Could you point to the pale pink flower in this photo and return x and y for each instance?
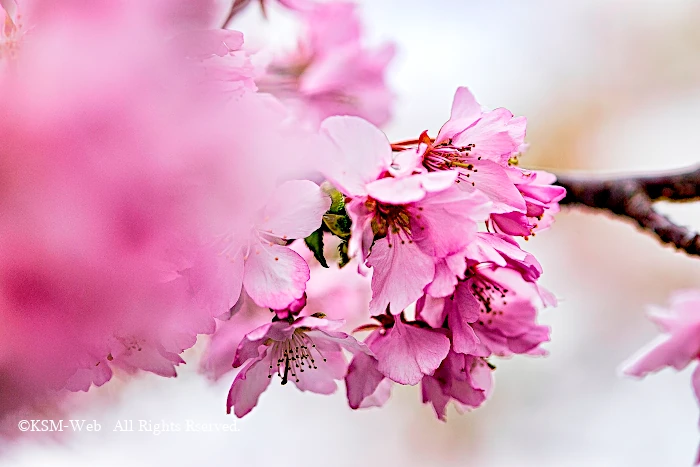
(680, 344)
(306, 351)
(222, 345)
(274, 275)
(464, 379)
(337, 293)
(331, 72)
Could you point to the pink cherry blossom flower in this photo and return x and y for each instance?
(222, 344)
(478, 145)
(331, 72)
(464, 379)
(338, 293)
(542, 201)
(492, 311)
(680, 344)
(306, 351)
(422, 217)
(273, 275)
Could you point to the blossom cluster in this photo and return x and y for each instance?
(167, 182)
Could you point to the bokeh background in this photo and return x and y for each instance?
(607, 86)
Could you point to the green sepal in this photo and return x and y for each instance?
(338, 224)
(315, 244)
(343, 252)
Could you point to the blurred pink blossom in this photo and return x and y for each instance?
(331, 72)
(117, 178)
(678, 346)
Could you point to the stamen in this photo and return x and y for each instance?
(489, 293)
(292, 356)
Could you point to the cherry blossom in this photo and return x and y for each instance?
(306, 351)
(680, 344)
(331, 72)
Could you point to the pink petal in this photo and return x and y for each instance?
(294, 210)
(512, 223)
(321, 380)
(431, 310)
(696, 382)
(490, 135)
(408, 161)
(342, 339)
(379, 397)
(676, 350)
(412, 188)
(407, 353)
(432, 392)
(249, 383)
(249, 346)
(400, 272)
(491, 179)
(84, 378)
(275, 276)
(361, 237)
(362, 381)
(462, 310)
(10, 7)
(480, 375)
(465, 111)
(445, 279)
(444, 223)
(361, 152)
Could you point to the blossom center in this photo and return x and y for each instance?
(390, 219)
(491, 297)
(293, 356)
(446, 156)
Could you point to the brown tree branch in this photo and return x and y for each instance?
(633, 198)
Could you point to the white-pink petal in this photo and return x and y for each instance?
(412, 188)
(294, 210)
(359, 153)
(275, 275)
